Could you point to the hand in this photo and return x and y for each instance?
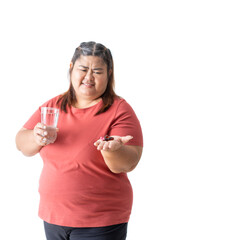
(44, 135)
(112, 145)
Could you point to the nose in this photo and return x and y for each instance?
(89, 75)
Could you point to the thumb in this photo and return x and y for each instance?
(126, 139)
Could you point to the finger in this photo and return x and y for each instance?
(100, 146)
(41, 125)
(39, 128)
(41, 141)
(126, 139)
(46, 141)
(106, 145)
(110, 144)
(40, 136)
(41, 132)
(97, 143)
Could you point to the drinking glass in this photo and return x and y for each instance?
(49, 117)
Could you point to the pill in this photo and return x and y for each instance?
(107, 138)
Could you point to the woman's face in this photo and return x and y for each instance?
(89, 77)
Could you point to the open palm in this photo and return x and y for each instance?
(112, 145)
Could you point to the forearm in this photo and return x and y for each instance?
(26, 144)
(124, 159)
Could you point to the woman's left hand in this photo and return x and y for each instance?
(112, 145)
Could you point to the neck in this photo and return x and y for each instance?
(85, 103)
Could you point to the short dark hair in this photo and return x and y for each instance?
(91, 49)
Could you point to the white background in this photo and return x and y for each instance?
(177, 64)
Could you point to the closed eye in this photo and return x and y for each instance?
(84, 70)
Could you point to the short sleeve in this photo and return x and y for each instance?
(33, 120)
(126, 123)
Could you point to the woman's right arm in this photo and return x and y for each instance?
(29, 142)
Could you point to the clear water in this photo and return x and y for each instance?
(49, 119)
(52, 134)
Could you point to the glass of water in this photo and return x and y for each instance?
(49, 116)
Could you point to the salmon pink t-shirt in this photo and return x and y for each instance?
(76, 187)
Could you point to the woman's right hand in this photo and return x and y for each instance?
(44, 135)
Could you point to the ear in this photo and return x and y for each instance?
(109, 72)
(71, 65)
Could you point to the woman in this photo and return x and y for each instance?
(84, 189)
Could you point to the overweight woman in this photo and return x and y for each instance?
(84, 189)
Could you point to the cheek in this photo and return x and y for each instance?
(103, 83)
(76, 79)
(76, 76)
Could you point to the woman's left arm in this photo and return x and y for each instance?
(119, 157)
